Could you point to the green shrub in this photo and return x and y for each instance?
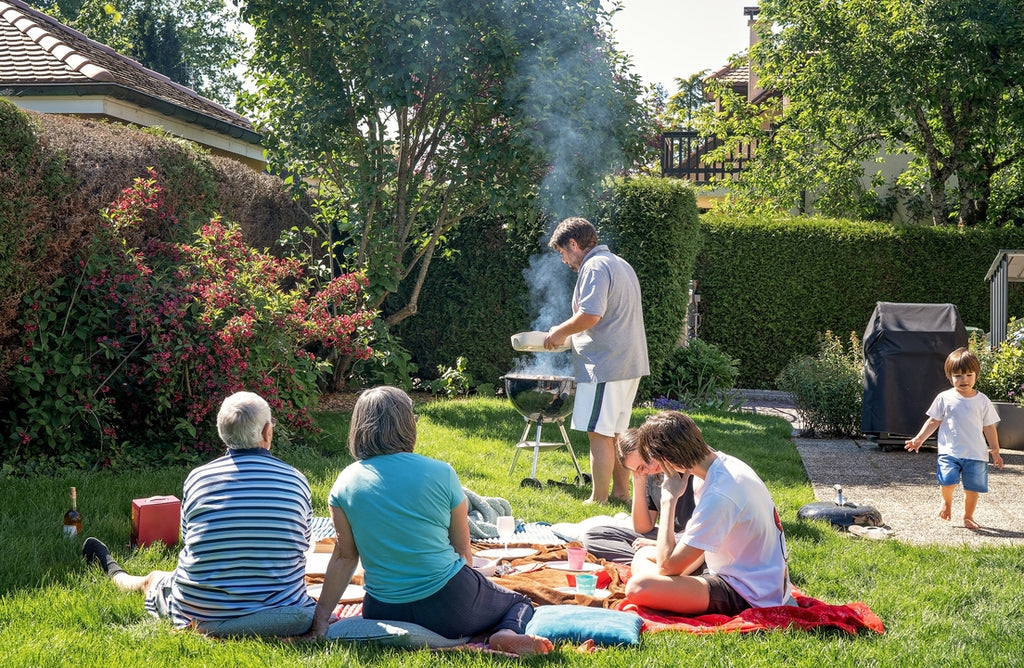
(1002, 369)
(451, 381)
(699, 375)
(389, 363)
(828, 388)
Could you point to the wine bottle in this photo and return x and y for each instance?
(73, 518)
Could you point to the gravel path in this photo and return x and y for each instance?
(901, 485)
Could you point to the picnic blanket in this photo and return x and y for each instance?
(809, 613)
(542, 584)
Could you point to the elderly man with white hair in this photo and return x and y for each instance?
(245, 528)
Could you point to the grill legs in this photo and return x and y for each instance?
(537, 445)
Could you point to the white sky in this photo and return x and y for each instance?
(670, 39)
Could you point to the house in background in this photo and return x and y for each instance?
(49, 68)
(683, 151)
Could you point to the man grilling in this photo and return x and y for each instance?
(609, 348)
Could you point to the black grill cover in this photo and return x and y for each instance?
(905, 348)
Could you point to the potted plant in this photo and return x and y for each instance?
(1002, 381)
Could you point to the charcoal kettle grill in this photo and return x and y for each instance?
(542, 400)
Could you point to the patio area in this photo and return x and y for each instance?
(901, 485)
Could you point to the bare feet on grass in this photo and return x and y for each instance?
(969, 523)
(611, 499)
(509, 641)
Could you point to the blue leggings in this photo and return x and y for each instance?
(469, 604)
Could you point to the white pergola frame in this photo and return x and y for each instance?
(1008, 267)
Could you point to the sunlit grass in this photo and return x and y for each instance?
(941, 605)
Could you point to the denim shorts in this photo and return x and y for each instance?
(973, 472)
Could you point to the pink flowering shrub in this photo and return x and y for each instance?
(127, 362)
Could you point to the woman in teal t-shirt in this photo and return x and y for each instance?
(405, 516)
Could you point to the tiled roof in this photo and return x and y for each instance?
(732, 75)
(39, 53)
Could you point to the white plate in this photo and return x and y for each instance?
(598, 593)
(564, 566)
(533, 342)
(352, 593)
(510, 553)
(316, 562)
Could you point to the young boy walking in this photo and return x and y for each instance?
(966, 421)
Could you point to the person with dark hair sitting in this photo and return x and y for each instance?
(405, 517)
(245, 529)
(732, 554)
(619, 544)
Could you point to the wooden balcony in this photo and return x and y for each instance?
(682, 156)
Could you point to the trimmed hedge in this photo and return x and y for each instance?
(657, 230)
(770, 287)
(473, 299)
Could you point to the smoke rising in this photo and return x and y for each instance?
(578, 110)
(550, 285)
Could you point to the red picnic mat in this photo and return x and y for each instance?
(809, 613)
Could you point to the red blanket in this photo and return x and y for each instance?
(809, 614)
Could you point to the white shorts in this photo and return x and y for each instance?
(604, 408)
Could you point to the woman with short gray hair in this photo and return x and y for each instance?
(409, 517)
(383, 423)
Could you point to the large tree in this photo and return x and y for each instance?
(196, 43)
(940, 80)
(682, 107)
(410, 115)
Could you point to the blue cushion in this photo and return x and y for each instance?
(577, 623)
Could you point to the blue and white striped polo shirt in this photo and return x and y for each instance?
(245, 521)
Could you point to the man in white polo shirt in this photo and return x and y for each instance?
(609, 348)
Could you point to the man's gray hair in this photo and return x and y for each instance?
(241, 420)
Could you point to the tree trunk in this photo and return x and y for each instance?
(937, 201)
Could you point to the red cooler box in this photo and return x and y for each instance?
(156, 518)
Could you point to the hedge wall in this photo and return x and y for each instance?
(476, 298)
(769, 286)
(656, 228)
(473, 300)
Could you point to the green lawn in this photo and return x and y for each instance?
(941, 606)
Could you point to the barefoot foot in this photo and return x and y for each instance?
(969, 523)
(945, 512)
(509, 641)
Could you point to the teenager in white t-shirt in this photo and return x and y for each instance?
(732, 554)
